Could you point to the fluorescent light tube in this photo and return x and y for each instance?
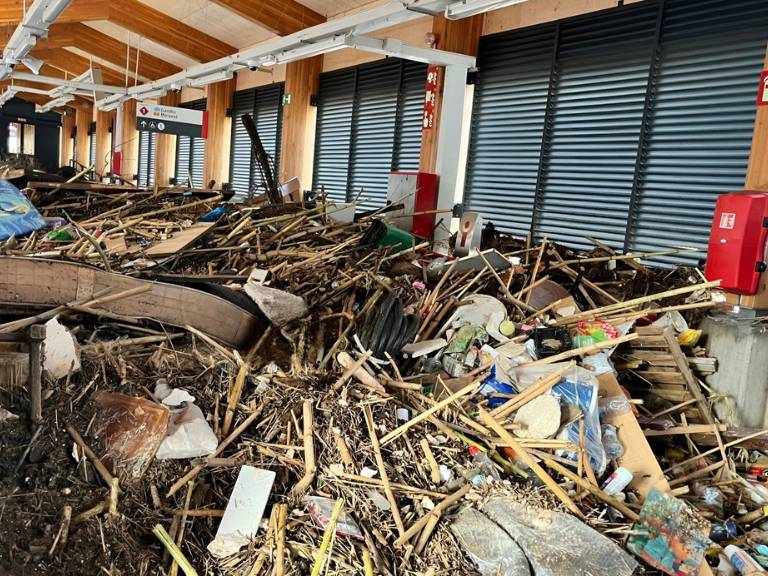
(467, 8)
(210, 79)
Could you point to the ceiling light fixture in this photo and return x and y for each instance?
(467, 8)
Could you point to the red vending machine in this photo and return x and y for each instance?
(737, 253)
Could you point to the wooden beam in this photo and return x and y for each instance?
(279, 16)
(100, 45)
(113, 51)
(104, 141)
(165, 157)
(461, 36)
(130, 143)
(83, 119)
(218, 100)
(76, 65)
(757, 174)
(161, 28)
(12, 11)
(297, 146)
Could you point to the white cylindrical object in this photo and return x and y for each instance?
(617, 481)
(743, 562)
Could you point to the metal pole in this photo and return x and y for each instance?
(36, 337)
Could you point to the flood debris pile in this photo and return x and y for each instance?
(292, 389)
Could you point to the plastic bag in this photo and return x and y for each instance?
(321, 509)
(491, 549)
(17, 214)
(189, 435)
(613, 406)
(580, 388)
(493, 385)
(558, 544)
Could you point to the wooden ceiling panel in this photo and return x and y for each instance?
(163, 29)
(115, 52)
(12, 11)
(76, 65)
(144, 45)
(282, 17)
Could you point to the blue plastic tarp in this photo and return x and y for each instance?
(18, 216)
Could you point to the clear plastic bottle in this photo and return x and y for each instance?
(611, 444)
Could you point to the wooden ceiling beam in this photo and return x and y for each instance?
(12, 11)
(113, 51)
(76, 65)
(282, 17)
(163, 29)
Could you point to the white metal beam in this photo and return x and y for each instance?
(73, 84)
(35, 23)
(394, 47)
(452, 145)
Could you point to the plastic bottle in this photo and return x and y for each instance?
(724, 531)
(617, 481)
(742, 561)
(611, 445)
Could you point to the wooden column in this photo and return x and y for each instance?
(461, 36)
(297, 147)
(757, 174)
(83, 119)
(217, 147)
(165, 155)
(67, 123)
(130, 142)
(104, 142)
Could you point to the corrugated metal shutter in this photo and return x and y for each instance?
(92, 146)
(197, 162)
(265, 105)
(143, 165)
(507, 126)
(369, 123)
(703, 117)
(146, 165)
(409, 117)
(333, 133)
(640, 125)
(241, 161)
(183, 150)
(151, 158)
(373, 132)
(190, 153)
(602, 75)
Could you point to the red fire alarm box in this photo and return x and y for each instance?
(737, 244)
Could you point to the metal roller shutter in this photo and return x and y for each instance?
(197, 162)
(369, 123)
(627, 131)
(92, 146)
(265, 105)
(409, 117)
(507, 126)
(334, 129)
(146, 166)
(241, 161)
(190, 153)
(703, 117)
(183, 149)
(373, 132)
(602, 74)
